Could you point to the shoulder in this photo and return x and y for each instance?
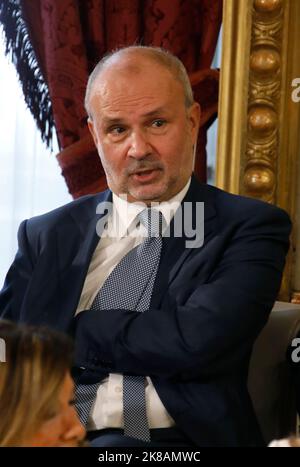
(62, 212)
(80, 210)
(240, 207)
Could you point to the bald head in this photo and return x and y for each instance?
(144, 123)
(130, 60)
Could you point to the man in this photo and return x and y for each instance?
(189, 338)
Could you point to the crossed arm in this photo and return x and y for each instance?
(208, 331)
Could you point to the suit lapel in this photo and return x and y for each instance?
(76, 247)
(175, 253)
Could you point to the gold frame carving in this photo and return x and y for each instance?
(258, 136)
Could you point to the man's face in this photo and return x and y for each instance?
(143, 131)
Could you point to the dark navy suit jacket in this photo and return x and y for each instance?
(208, 306)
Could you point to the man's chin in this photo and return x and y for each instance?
(146, 194)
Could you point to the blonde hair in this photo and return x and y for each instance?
(36, 362)
(159, 55)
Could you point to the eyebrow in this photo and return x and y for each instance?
(152, 113)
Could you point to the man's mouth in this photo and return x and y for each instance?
(145, 175)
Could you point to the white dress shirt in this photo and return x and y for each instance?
(119, 237)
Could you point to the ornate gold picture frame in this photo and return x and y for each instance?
(259, 121)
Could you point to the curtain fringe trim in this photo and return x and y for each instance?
(21, 52)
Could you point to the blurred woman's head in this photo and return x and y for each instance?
(36, 389)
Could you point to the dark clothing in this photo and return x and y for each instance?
(208, 306)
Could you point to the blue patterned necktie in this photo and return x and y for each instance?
(129, 286)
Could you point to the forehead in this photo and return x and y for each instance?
(132, 86)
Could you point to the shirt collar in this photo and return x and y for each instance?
(124, 213)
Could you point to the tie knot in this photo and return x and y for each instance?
(152, 220)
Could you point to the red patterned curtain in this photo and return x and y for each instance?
(56, 43)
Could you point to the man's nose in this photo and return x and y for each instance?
(139, 145)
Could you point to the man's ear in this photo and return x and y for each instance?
(92, 130)
(194, 114)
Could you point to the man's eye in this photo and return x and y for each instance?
(117, 130)
(158, 123)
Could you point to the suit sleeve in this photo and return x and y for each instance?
(213, 329)
(17, 278)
